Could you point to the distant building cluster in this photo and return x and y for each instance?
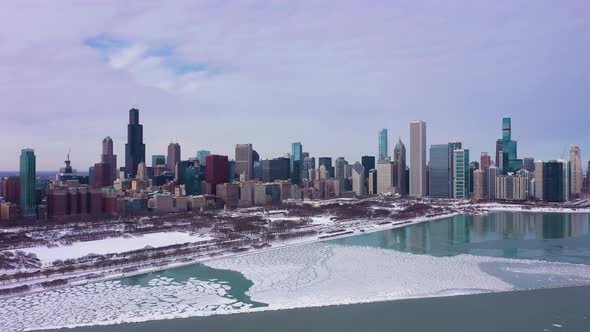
(206, 180)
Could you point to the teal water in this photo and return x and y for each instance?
(239, 284)
(553, 237)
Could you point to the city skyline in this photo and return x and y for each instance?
(81, 78)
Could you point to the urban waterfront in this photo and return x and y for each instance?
(510, 252)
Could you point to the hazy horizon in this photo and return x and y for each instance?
(214, 74)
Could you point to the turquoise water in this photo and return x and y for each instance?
(541, 236)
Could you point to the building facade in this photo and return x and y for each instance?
(461, 173)
(134, 149)
(440, 171)
(418, 159)
(383, 150)
(28, 180)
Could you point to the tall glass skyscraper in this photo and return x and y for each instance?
(383, 144)
(296, 162)
(461, 173)
(510, 161)
(440, 171)
(134, 149)
(202, 156)
(28, 178)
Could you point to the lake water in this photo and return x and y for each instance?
(464, 255)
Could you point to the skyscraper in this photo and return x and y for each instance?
(440, 171)
(244, 161)
(485, 161)
(528, 163)
(174, 156)
(134, 149)
(577, 173)
(28, 178)
(478, 184)
(418, 158)
(216, 171)
(296, 162)
(383, 154)
(358, 179)
(108, 158)
(510, 161)
(399, 163)
(499, 149)
(327, 163)
(158, 159)
(339, 168)
(493, 173)
(201, 157)
(385, 173)
(461, 174)
(368, 163)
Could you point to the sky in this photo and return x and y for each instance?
(330, 74)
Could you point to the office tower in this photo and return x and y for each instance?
(327, 163)
(499, 148)
(400, 178)
(556, 181)
(440, 171)
(372, 183)
(308, 165)
(216, 171)
(134, 149)
(417, 158)
(510, 161)
(474, 165)
(142, 172)
(180, 171)
(577, 173)
(358, 179)
(109, 158)
(539, 179)
(255, 156)
(296, 162)
(192, 183)
(28, 178)
(485, 161)
(461, 173)
(339, 168)
(492, 174)
(173, 156)
(385, 174)
(244, 161)
(202, 157)
(101, 175)
(368, 163)
(275, 169)
(478, 184)
(11, 189)
(383, 154)
(231, 171)
(158, 159)
(528, 163)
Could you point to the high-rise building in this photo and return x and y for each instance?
(308, 164)
(440, 171)
(173, 156)
(275, 169)
(461, 173)
(134, 149)
(28, 180)
(577, 172)
(510, 161)
(418, 158)
(499, 149)
(296, 162)
(11, 189)
(358, 179)
(327, 163)
(244, 161)
(492, 173)
(216, 171)
(556, 180)
(400, 178)
(372, 184)
(202, 157)
(528, 163)
(383, 154)
(142, 172)
(478, 184)
(385, 174)
(485, 161)
(368, 163)
(473, 166)
(109, 158)
(158, 159)
(339, 168)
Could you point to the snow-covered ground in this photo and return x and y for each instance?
(114, 245)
